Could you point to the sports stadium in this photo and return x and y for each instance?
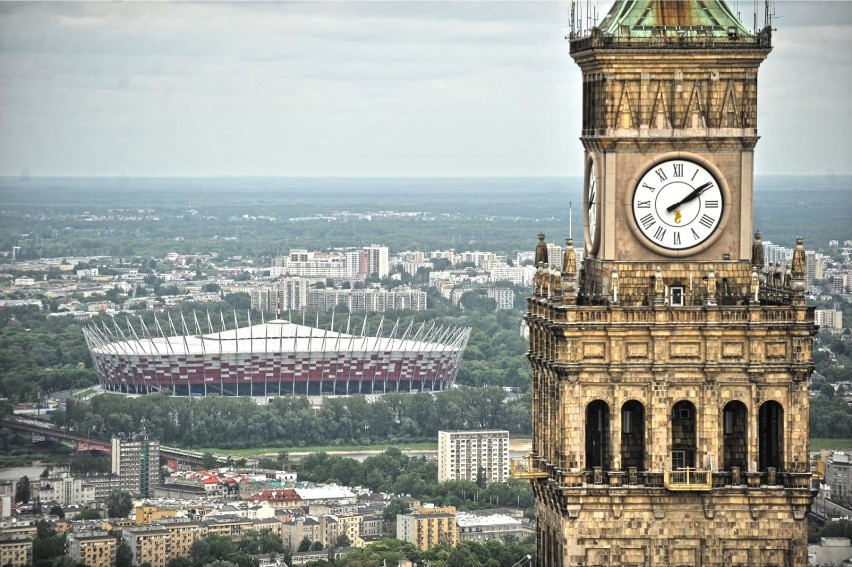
(274, 358)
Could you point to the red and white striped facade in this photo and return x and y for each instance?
(276, 358)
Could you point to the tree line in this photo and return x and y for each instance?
(292, 421)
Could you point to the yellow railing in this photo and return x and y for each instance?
(687, 479)
(818, 471)
(526, 467)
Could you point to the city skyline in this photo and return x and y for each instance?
(356, 89)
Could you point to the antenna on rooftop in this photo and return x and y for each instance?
(570, 219)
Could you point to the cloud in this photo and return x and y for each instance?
(276, 88)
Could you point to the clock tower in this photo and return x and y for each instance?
(670, 399)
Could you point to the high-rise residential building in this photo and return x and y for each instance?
(472, 455)
(377, 260)
(776, 254)
(670, 376)
(815, 267)
(136, 462)
(286, 294)
(428, 526)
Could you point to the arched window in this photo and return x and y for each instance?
(597, 435)
(770, 429)
(683, 435)
(633, 435)
(735, 435)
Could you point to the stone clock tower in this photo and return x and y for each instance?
(670, 399)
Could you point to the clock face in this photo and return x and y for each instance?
(591, 198)
(677, 204)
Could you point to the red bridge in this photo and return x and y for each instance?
(82, 442)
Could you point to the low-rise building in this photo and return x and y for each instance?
(15, 550)
(65, 489)
(149, 544)
(93, 549)
(838, 475)
(428, 526)
(481, 527)
(183, 534)
(830, 551)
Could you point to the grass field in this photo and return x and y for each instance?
(320, 449)
(818, 444)
(517, 443)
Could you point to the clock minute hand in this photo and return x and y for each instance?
(695, 193)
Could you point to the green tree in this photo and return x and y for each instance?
(390, 513)
(119, 504)
(123, 554)
(305, 544)
(88, 515)
(22, 490)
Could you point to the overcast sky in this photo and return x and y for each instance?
(357, 88)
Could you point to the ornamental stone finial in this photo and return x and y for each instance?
(540, 251)
(757, 257)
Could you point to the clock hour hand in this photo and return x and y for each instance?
(695, 193)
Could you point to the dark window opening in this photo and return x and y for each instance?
(683, 435)
(735, 435)
(771, 436)
(633, 435)
(597, 435)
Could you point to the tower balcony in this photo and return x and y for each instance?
(687, 480)
(528, 466)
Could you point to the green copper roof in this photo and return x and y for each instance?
(646, 18)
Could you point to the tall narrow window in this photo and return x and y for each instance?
(735, 435)
(683, 435)
(597, 435)
(771, 436)
(633, 435)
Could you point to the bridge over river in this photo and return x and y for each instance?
(84, 442)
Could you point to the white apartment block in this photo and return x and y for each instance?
(815, 267)
(518, 275)
(377, 260)
(462, 454)
(370, 300)
(481, 260)
(285, 294)
(504, 297)
(773, 253)
(66, 489)
(829, 318)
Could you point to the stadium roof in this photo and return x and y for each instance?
(278, 335)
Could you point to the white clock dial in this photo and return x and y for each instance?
(592, 196)
(677, 204)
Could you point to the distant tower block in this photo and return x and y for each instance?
(670, 401)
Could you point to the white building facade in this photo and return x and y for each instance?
(465, 455)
